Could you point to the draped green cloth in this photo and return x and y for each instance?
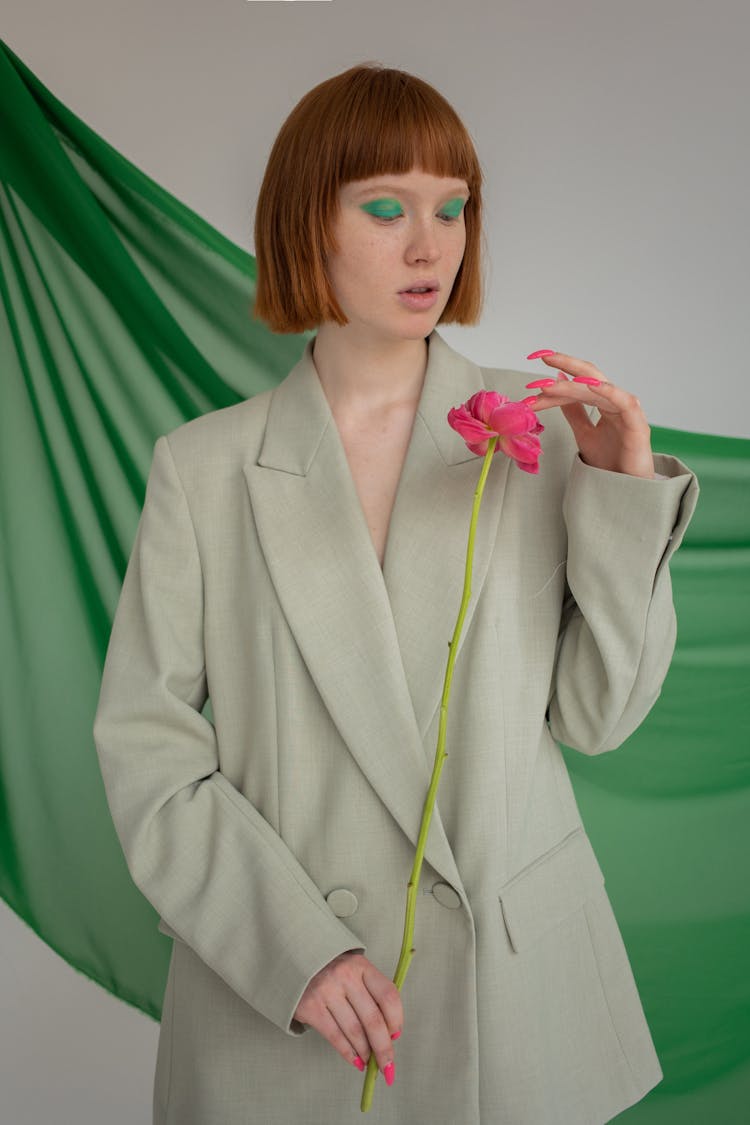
(125, 314)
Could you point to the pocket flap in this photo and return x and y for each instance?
(167, 929)
(549, 889)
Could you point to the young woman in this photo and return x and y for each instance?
(299, 562)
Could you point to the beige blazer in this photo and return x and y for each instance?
(277, 829)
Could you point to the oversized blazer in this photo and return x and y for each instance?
(275, 828)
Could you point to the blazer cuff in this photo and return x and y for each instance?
(645, 511)
(319, 952)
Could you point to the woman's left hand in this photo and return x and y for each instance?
(620, 440)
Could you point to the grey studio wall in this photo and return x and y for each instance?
(611, 139)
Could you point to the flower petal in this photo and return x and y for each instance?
(525, 450)
(513, 418)
(466, 424)
(480, 449)
(482, 403)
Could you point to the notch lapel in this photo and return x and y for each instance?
(425, 558)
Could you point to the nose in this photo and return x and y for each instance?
(423, 242)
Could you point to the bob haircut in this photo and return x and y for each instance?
(367, 121)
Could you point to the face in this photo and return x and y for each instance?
(392, 233)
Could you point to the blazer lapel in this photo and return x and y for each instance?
(425, 559)
(376, 642)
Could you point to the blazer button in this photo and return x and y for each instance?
(342, 902)
(446, 896)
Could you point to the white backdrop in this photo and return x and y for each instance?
(613, 138)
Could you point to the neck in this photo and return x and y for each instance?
(360, 374)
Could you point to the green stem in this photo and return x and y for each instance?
(407, 949)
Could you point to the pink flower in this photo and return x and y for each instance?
(488, 414)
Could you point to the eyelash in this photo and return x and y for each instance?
(390, 218)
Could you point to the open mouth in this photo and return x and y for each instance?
(423, 285)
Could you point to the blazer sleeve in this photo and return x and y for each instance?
(618, 626)
(196, 847)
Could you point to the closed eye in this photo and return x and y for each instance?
(390, 218)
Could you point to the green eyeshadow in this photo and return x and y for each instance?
(454, 208)
(382, 207)
(390, 207)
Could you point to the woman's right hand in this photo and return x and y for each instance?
(357, 1009)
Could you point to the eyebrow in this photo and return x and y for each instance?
(405, 191)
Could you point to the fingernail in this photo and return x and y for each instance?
(541, 383)
(541, 352)
(397, 1033)
(359, 1063)
(529, 399)
(389, 1074)
(591, 382)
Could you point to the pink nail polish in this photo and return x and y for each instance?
(390, 1074)
(395, 1035)
(591, 382)
(359, 1063)
(540, 353)
(529, 399)
(541, 383)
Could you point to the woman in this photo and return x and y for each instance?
(299, 562)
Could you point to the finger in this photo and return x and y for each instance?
(607, 398)
(572, 365)
(375, 1028)
(579, 421)
(387, 997)
(622, 406)
(344, 1032)
(349, 1022)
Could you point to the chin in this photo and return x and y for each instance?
(418, 331)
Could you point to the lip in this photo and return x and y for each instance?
(422, 283)
(418, 301)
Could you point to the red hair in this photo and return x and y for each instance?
(369, 120)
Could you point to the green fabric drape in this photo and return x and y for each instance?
(124, 314)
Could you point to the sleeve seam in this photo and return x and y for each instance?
(183, 492)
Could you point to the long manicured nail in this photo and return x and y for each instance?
(526, 402)
(541, 383)
(588, 380)
(390, 1074)
(396, 1034)
(359, 1063)
(540, 353)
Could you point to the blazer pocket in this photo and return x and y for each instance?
(551, 888)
